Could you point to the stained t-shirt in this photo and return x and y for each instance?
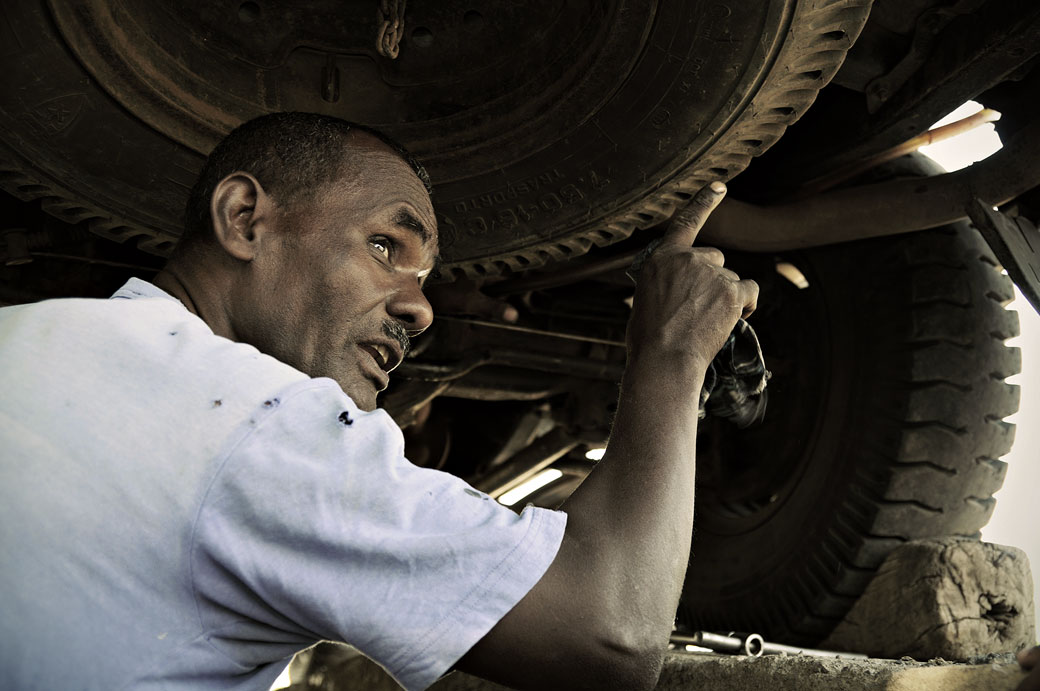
(180, 511)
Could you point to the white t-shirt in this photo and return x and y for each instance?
(180, 511)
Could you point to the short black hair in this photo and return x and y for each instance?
(291, 154)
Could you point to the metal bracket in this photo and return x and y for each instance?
(1016, 242)
(927, 31)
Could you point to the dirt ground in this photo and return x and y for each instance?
(711, 672)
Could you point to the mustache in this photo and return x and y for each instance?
(397, 332)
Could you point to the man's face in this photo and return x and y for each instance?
(335, 291)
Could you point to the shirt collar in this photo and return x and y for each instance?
(136, 288)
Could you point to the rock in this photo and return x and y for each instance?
(950, 598)
(802, 673)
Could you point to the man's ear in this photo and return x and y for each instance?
(240, 211)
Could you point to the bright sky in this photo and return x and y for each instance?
(1014, 520)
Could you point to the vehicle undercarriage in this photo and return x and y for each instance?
(560, 137)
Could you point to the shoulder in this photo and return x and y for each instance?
(313, 430)
(147, 363)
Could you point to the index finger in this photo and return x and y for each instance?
(689, 219)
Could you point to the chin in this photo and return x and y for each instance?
(362, 393)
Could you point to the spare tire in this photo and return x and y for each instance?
(547, 126)
(885, 424)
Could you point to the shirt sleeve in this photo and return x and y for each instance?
(317, 527)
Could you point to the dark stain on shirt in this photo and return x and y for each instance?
(344, 418)
(217, 403)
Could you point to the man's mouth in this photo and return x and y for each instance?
(380, 353)
(374, 367)
(385, 357)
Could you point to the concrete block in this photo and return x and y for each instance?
(947, 598)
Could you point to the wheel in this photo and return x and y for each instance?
(885, 424)
(547, 127)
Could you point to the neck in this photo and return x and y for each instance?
(201, 298)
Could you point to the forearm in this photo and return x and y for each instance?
(601, 614)
(631, 520)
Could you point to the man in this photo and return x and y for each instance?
(197, 483)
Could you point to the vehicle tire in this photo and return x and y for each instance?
(547, 127)
(885, 424)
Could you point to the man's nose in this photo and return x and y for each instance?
(410, 307)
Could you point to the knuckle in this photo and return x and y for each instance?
(730, 274)
(710, 253)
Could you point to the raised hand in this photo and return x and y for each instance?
(686, 301)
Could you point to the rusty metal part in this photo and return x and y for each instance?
(575, 468)
(887, 208)
(391, 28)
(405, 401)
(544, 362)
(1016, 242)
(536, 332)
(973, 53)
(526, 463)
(444, 371)
(928, 28)
(851, 170)
(475, 392)
(506, 384)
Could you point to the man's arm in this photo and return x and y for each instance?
(1030, 661)
(602, 613)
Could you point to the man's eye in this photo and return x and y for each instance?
(382, 245)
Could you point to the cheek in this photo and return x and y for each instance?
(338, 292)
(345, 308)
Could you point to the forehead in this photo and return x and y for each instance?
(371, 164)
(374, 178)
(374, 186)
